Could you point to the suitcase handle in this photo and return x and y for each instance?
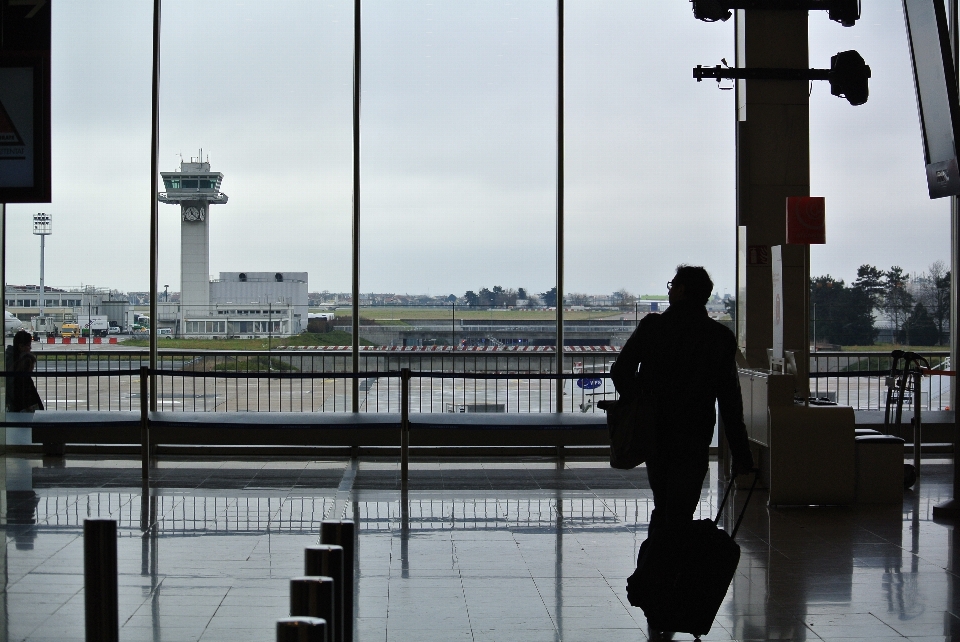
(743, 511)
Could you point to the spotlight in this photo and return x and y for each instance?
(846, 12)
(710, 11)
(848, 77)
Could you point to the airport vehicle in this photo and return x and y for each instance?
(113, 329)
(11, 324)
(96, 325)
(137, 322)
(165, 332)
(69, 330)
(42, 325)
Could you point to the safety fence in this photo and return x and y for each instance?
(297, 381)
(442, 381)
(858, 379)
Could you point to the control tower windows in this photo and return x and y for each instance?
(172, 183)
(189, 184)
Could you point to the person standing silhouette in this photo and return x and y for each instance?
(22, 394)
(686, 362)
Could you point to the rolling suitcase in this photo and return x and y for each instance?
(682, 578)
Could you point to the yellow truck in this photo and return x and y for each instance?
(70, 330)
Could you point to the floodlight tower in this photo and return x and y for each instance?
(194, 188)
(42, 227)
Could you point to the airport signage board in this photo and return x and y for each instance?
(25, 103)
(589, 384)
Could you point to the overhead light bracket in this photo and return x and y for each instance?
(848, 75)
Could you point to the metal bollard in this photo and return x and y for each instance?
(312, 596)
(342, 533)
(100, 580)
(301, 629)
(327, 559)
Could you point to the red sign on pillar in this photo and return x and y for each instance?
(806, 220)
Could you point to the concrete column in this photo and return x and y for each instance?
(195, 265)
(773, 162)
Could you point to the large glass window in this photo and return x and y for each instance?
(459, 147)
(275, 120)
(100, 108)
(868, 163)
(650, 153)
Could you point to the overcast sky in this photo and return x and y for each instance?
(458, 145)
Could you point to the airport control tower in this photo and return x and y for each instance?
(194, 188)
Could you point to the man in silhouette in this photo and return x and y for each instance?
(686, 363)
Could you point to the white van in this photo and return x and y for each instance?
(165, 332)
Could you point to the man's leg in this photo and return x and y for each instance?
(676, 480)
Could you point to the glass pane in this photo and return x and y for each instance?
(649, 173)
(881, 279)
(275, 122)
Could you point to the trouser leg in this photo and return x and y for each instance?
(676, 481)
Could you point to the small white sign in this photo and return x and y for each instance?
(777, 273)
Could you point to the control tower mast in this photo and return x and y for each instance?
(194, 188)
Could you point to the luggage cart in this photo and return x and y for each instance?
(903, 386)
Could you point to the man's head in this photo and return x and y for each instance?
(22, 340)
(691, 283)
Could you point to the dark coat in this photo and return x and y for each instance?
(687, 363)
(21, 392)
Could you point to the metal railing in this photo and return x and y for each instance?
(317, 381)
(858, 379)
(442, 381)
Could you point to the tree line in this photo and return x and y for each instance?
(508, 297)
(915, 308)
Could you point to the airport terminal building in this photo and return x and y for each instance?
(465, 492)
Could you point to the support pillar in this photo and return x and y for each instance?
(773, 162)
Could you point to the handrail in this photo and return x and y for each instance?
(405, 375)
(524, 371)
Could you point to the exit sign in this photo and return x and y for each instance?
(806, 220)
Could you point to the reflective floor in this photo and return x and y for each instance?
(479, 550)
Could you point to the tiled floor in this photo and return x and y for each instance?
(476, 550)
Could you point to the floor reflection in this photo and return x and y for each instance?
(486, 550)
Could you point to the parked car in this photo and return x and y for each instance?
(114, 329)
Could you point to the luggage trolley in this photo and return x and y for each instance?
(903, 385)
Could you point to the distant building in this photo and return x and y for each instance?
(23, 301)
(245, 304)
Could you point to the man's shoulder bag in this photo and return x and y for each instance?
(632, 430)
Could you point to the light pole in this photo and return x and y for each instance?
(166, 294)
(42, 227)
(814, 327)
